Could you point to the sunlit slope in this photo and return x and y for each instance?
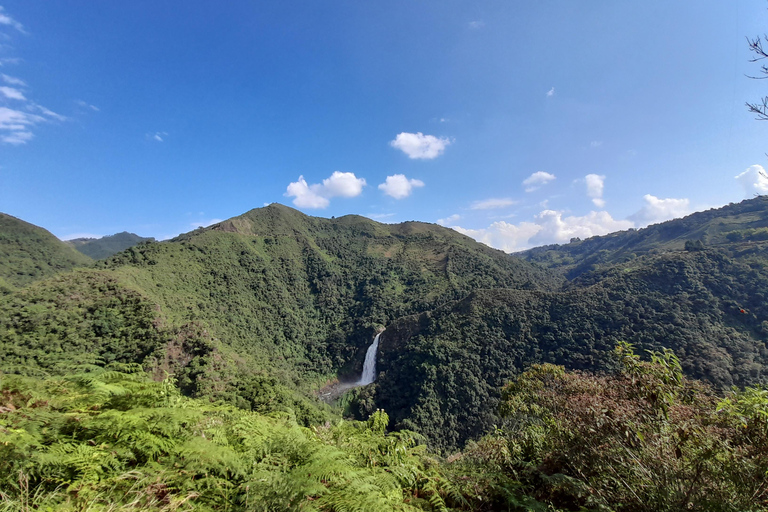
(29, 252)
(741, 222)
(308, 292)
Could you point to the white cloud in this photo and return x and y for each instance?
(342, 184)
(45, 111)
(17, 120)
(11, 80)
(304, 196)
(418, 145)
(12, 93)
(16, 138)
(206, 223)
(503, 235)
(7, 20)
(658, 210)
(558, 229)
(551, 92)
(596, 143)
(549, 227)
(595, 185)
(84, 104)
(339, 184)
(754, 180)
(449, 220)
(476, 24)
(380, 215)
(157, 136)
(537, 180)
(399, 187)
(489, 204)
(15, 125)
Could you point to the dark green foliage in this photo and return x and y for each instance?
(75, 320)
(106, 246)
(440, 372)
(645, 439)
(28, 253)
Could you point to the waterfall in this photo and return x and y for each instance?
(369, 367)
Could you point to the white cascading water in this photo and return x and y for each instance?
(369, 367)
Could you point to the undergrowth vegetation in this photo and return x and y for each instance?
(113, 439)
(642, 439)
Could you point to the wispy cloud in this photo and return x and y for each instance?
(5, 19)
(205, 223)
(45, 111)
(551, 92)
(595, 143)
(18, 113)
(490, 204)
(12, 80)
(449, 220)
(380, 216)
(399, 187)
(595, 185)
(318, 195)
(537, 180)
(420, 146)
(12, 93)
(475, 25)
(15, 125)
(83, 104)
(157, 136)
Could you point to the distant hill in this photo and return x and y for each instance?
(104, 247)
(29, 253)
(744, 221)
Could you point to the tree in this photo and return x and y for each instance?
(756, 46)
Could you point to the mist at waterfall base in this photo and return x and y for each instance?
(369, 366)
(333, 391)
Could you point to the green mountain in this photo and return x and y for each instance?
(263, 309)
(29, 253)
(256, 310)
(744, 221)
(106, 246)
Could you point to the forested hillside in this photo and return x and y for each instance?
(28, 253)
(305, 294)
(441, 371)
(261, 310)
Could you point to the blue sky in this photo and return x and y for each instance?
(516, 123)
